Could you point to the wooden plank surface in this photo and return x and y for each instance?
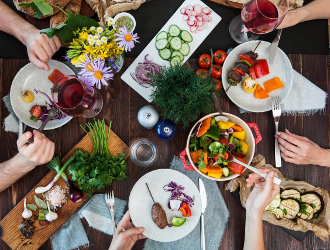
(228, 3)
(121, 105)
(10, 232)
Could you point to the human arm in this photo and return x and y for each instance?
(29, 156)
(317, 9)
(40, 49)
(126, 234)
(300, 150)
(262, 194)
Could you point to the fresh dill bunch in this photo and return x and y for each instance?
(181, 95)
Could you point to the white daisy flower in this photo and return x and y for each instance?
(91, 42)
(110, 21)
(95, 38)
(89, 37)
(99, 29)
(104, 39)
(98, 42)
(105, 16)
(92, 28)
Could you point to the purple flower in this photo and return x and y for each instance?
(68, 59)
(126, 39)
(99, 74)
(85, 65)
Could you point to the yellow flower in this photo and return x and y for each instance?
(75, 61)
(83, 35)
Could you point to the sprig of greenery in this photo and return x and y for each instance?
(39, 7)
(181, 95)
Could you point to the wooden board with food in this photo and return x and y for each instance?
(45, 212)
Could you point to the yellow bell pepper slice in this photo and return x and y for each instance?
(225, 125)
(245, 146)
(239, 135)
(215, 175)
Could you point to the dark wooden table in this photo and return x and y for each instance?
(121, 105)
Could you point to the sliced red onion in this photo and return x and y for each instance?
(230, 131)
(225, 134)
(143, 72)
(178, 194)
(230, 146)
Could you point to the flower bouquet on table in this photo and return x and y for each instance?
(97, 50)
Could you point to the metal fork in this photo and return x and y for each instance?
(110, 200)
(276, 108)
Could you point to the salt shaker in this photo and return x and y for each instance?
(148, 116)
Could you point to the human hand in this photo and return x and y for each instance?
(263, 193)
(40, 48)
(39, 152)
(300, 150)
(126, 234)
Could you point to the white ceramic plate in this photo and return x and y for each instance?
(282, 68)
(140, 204)
(177, 19)
(30, 78)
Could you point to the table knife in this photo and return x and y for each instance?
(202, 191)
(273, 48)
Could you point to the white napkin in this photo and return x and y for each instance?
(305, 98)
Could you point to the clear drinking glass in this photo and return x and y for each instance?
(257, 17)
(143, 152)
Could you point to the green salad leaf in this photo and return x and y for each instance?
(193, 143)
(216, 148)
(201, 163)
(39, 7)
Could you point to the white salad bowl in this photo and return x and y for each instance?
(249, 139)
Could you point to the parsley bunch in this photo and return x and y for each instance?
(181, 95)
(100, 169)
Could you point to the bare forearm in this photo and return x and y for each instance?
(13, 24)
(12, 170)
(253, 232)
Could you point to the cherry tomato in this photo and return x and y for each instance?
(36, 111)
(204, 61)
(224, 141)
(202, 73)
(218, 86)
(216, 71)
(219, 56)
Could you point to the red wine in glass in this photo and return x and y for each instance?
(75, 98)
(260, 16)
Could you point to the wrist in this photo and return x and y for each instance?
(25, 32)
(23, 161)
(253, 214)
(324, 158)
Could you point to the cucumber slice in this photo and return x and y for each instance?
(165, 54)
(176, 43)
(169, 38)
(225, 171)
(185, 49)
(177, 53)
(175, 60)
(186, 36)
(161, 35)
(161, 44)
(174, 30)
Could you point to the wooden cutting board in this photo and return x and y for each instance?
(10, 232)
(228, 3)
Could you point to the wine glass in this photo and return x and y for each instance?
(75, 98)
(257, 17)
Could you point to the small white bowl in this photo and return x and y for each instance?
(124, 14)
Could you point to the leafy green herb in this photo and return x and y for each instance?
(284, 211)
(193, 143)
(50, 32)
(98, 170)
(217, 148)
(312, 205)
(316, 216)
(295, 220)
(40, 203)
(33, 118)
(201, 163)
(238, 148)
(31, 207)
(221, 160)
(181, 95)
(298, 199)
(303, 209)
(303, 190)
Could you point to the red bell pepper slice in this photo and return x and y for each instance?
(235, 167)
(259, 70)
(223, 141)
(186, 212)
(244, 57)
(239, 71)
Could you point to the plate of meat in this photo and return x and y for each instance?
(250, 82)
(170, 210)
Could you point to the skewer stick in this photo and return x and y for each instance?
(150, 193)
(228, 87)
(256, 47)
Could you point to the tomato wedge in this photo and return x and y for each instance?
(186, 212)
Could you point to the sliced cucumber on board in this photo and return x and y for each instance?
(161, 35)
(174, 30)
(161, 44)
(165, 54)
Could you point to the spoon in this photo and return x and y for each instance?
(231, 158)
(51, 114)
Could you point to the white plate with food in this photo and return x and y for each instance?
(32, 78)
(281, 68)
(174, 43)
(140, 204)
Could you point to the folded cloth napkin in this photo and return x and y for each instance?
(10, 123)
(216, 216)
(72, 235)
(305, 98)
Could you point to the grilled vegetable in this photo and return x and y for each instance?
(275, 203)
(27, 96)
(290, 193)
(290, 208)
(306, 212)
(249, 85)
(311, 198)
(279, 214)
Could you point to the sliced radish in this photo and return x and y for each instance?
(192, 18)
(206, 11)
(199, 18)
(206, 25)
(200, 28)
(183, 10)
(188, 12)
(210, 19)
(191, 23)
(198, 8)
(193, 29)
(200, 24)
(185, 18)
(193, 13)
(189, 7)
